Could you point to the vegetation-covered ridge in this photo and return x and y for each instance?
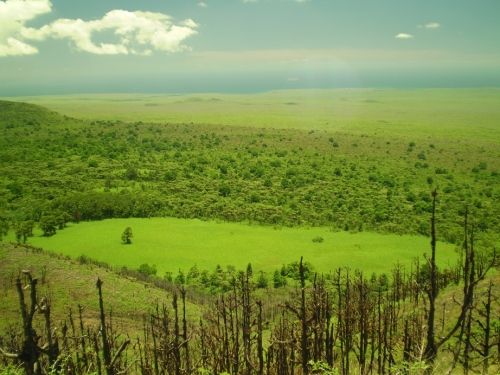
(56, 169)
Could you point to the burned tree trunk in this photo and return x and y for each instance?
(430, 351)
(109, 362)
(106, 350)
(185, 342)
(303, 319)
(177, 353)
(30, 351)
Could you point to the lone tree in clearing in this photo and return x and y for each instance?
(127, 236)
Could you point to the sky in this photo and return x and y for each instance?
(179, 46)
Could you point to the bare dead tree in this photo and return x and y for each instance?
(30, 351)
(431, 347)
(185, 342)
(471, 277)
(484, 344)
(109, 362)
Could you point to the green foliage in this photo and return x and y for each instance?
(23, 230)
(412, 368)
(11, 370)
(48, 224)
(180, 278)
(193, 274)
(127, 236)
(318, 239)
(224, 190)
(147, 270)
(249, 270)
(262, 281)
(291, 270)
(279, 280)
(4, 226)
(131, 173)
(322, 368)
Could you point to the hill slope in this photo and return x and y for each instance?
(13, 114)
(69, 284)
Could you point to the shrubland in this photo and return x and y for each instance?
(57, 169)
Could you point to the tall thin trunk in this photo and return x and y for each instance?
(430, 351)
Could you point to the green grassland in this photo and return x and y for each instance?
(470, 114)
(173, 244)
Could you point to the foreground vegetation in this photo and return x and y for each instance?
(66, 282)
(421, 321)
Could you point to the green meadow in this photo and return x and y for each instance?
(173, 244)
(412, 113)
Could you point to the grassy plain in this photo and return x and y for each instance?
(470, 114)
(173, 244)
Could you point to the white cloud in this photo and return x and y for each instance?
(14, 47)
(432, 25)
(137, 32)
(202, 4)
(404, 36)
(14, 14)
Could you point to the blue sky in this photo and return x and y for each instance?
(63, 46)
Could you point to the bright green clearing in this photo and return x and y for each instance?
(471, 114)
(173, 244)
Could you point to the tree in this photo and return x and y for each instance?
(262, 281)
(23, 230)
(48, 224)
(249, 270)
(472, 274)
(278, 279)
(131, 173)
(4, 227)
(147, 270)
(127, 236)
(180, 278)
(224, 190)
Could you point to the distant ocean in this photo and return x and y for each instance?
(253, 83)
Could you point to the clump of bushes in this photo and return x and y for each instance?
(318, 239)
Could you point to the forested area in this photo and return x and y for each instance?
(56, 169)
